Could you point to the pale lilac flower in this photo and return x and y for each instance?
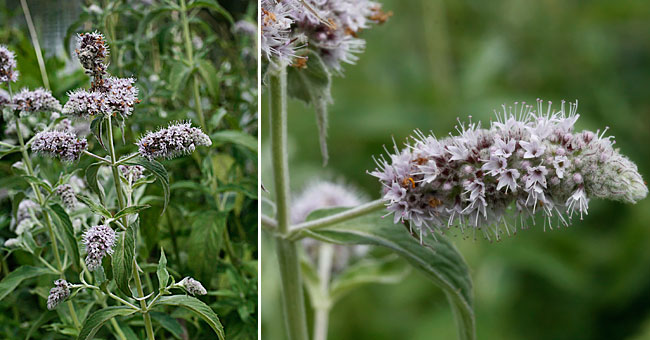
(8, 72)
(92, 52)
(39, 100)
(529, 158)
(63, 145)
(87, 105)
(175, 140)
(192, 286)
(66, 193)
(132, 172)
(121, 95)
(58, 293)
(99, 241)
(245, 27)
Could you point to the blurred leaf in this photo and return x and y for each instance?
(97, 320)
(91, 179)
(7, 151)
(204, 242)
(438, 259)
(66, 232)
(367, 271)
(197, 307)
(96, 129)
(134, 209)
(168, 323)
(13, 279)
(161, 272)
(160, 172)
(178, 77)
(211, 4)
(123, 254)
(235, 137)
(209, 74)
(39, 183)
(94, 207)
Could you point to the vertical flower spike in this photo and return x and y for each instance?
(322, 195)
(175, 140)
(39, 100)
(92, 52)
(66, 193)
(99, 241)
(58, 294)
(192, 286)
(529, 156)
(61, 144)
(8, 72)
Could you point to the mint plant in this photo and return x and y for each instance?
(110, 274)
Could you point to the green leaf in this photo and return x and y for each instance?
(168, 323)
(13, 279)
(123, 259)
(94, 207)
(178, 77)
(161, 272)
(197, 307)
(96, 320)
(65, 231)
(311, 84)
(134, 209)
(96, 129)
(213, 5)
(235, 137)
(7, 151)
(160, 172)
(39, 182)
(367, 271)
(91, 179)
(210, 76)
(204, 242)
(437, 259)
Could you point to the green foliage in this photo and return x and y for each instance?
(96, 320)
(197, 307)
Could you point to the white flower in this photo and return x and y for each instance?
(560, 163)
(534, 148)
(495, 165)
(508, 178)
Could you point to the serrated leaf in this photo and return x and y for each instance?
(235, 137)
(197, 307)
(168, 323)
(161, 272)
(96, 320)
(213, 5)
(437, 259)
(94, 207)
(204, 242)
(122, 257)
(134, 209)
(311, 84)
(96, 129)
(13, 279)
(66, 232)
(160, 172)
(91, 179)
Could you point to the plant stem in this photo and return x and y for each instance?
(48, 221)
(324, 222)
(37, 46)
(120, 201)
(293, 300)
(190, 58)
(321, 313)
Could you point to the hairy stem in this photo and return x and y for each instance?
(120, 201)
(287, 251)
(190, 58)
(37, 46)
(321, 313)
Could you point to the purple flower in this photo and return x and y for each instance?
(66, 193)
(8, 72)
(175, 140)
(92, 52)
(84, 104)
(58, 294)
(192, 286)
(121, 95)
(39, 100)
(61, 144)
(99, 241)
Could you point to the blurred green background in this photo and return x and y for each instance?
(437, 60)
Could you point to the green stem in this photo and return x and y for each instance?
(48, 221)
(287, 251)
(321, 312)
(296, 231)
(190, 59)
(37, 46)
(120, 201)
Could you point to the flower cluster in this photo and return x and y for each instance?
(99, 241)
(330, 27)
(192, 286)
(39, 100)
(24, 213)
(121, 95)
(8, 71)
(62, 144)
(58, 294)
(132, 172)
(84, 104)
(175, 140)
(92, 52)
(66, 193)
(530, 156)
(322, 195)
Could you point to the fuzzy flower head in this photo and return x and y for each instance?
(175, 140)
(192, 286)
(277, 40)
(120, 95)
(8, 72)
(66, 193)
(85, 104)
(99, 241)
(530, 158)
(92, 52)
(26, 208)
(39, 100)
(58, 294)
(62, 144)
(132, 172)
(321, 195)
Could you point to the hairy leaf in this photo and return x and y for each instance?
(91, 179)
(197, 307)
(160, 172)
(96, 320)
(11, 281)
(161, 272)
(123, 259)
(134, 209)
(96, 208)
(65, 231)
